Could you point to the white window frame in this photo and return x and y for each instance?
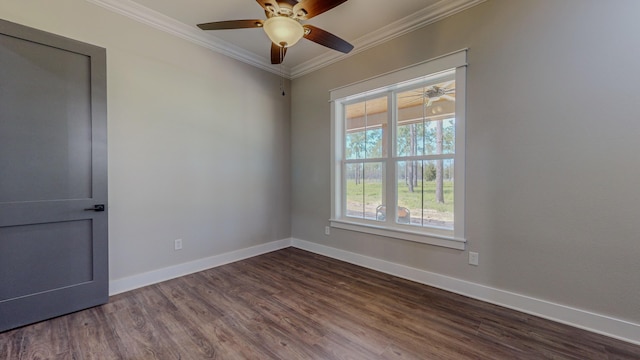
(379, 86)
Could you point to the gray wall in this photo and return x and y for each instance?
(553, 170)
(198, 143)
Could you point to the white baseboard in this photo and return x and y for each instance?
(152, 277)
(601, 324)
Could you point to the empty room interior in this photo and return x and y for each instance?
(305, 206)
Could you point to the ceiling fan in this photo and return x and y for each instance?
(435, 92)
(431, 94)
(284, 25)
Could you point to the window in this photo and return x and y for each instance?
(398, 153)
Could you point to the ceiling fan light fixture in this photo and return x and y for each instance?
(283, 30)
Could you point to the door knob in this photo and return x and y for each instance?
(99, 207)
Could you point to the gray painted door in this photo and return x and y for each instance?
(53, 166)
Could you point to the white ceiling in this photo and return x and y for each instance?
(364, 23)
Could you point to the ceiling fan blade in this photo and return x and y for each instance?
(231, 24)
(306, 9)
(447, 84)
(277, 53)
(326, 38)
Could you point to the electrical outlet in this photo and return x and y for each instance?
(327, 230)
(473, 258)
(177, 244)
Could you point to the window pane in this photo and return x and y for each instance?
(365, 190)
(366, 127)
(425, 193)
(426, 120)
(439, 137)
(373, 189)
(355, 190)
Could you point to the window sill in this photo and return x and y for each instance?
(402, 234)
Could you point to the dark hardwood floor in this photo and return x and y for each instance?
(291, 304)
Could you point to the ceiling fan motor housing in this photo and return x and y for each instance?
(284, 28)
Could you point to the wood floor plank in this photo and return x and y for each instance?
(143, 333)
(46, 340)
(11, 343)
(225, 342)
(404, 325)
(337, 321)
(292, 304)
(91, 336)
(171, 328)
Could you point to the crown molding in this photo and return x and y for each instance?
(424, 17)
(164, 23)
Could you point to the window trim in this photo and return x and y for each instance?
(378, 86)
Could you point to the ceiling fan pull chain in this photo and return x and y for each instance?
(282, 72)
